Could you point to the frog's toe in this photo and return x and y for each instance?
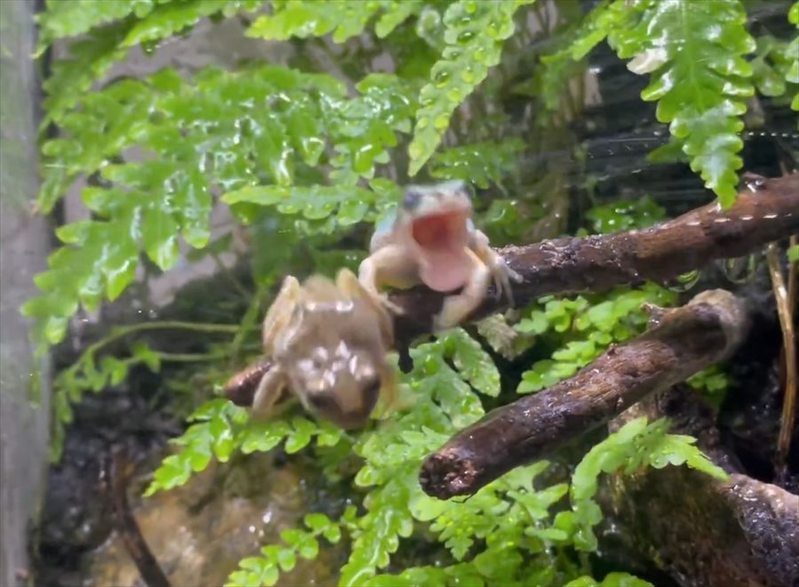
(391, 306)
(514, 275)
(502, 281)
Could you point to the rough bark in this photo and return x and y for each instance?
(684, 341)
(701, 531)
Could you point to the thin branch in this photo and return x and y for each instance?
(784, 312)
(122, 331)
(116, 471)
(241, 387)
(684, 341)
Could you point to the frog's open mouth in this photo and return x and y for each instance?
(443, 263)
(442, 231)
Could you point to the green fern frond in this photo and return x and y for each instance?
(265, 570)
(220, 428)
(792, 75)
(634, 446)
(345, 19)
(772, 64)
(153, 202)
(173, 17)
(481, 164)
(76, 17)
(127, 23)
(474, 35)
(260, 126)
(695, 55)
(349, 203)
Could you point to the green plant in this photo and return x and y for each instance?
(307, 156)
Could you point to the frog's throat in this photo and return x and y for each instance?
(446, 270)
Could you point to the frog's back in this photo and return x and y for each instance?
(322, 289)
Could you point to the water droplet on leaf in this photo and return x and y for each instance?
(441, 77)
(466, 36)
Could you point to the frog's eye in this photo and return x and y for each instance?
(412, 199)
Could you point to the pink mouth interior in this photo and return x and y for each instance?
(442, 239)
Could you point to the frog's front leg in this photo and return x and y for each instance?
(351, 286)
(270, 390)
(280, 313)
(500, 272)
(389, 265)
(458, 307)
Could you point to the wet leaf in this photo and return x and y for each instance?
(700, 79)
(474, 35)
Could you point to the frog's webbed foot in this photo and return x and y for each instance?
(500, 272)
(503, 275)
(280, 312)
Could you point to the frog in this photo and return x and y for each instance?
(432, 240)
(327, 343)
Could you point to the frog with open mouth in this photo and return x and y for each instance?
(432, 240)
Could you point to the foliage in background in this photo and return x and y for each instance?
(307, 155)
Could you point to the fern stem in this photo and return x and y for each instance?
(122, 331)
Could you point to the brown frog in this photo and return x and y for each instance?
(327, 342)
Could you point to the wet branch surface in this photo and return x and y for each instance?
(700, 530)
(117, 470)
(684, 341)
(765, 210)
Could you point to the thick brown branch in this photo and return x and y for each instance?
(765, 211)
(686, 340)
(700, 530)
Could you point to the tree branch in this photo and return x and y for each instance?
(699, 530)
(117, 469)
(684, 341)
(765, 210)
